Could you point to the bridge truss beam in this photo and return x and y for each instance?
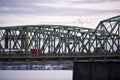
(59, 39)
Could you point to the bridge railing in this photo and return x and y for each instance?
(60, 54)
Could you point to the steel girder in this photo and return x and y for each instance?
(46, 38)
(59, 39)
(110, 33)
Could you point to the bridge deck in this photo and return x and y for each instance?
(72, 57)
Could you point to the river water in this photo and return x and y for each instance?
(36, 74)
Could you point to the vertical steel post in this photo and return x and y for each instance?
(26, 40)
(118, 35)
(10, 41)
(6, 38)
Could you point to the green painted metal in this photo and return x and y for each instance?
(60, 39)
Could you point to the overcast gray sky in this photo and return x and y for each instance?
(85, 13)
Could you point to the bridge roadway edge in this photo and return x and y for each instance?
(61, 58)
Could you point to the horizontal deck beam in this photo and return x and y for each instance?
(59, 57)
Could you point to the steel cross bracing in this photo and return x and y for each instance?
(59, 39)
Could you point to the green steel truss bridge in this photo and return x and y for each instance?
(58, 42)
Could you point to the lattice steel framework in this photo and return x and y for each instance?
(59, 39)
